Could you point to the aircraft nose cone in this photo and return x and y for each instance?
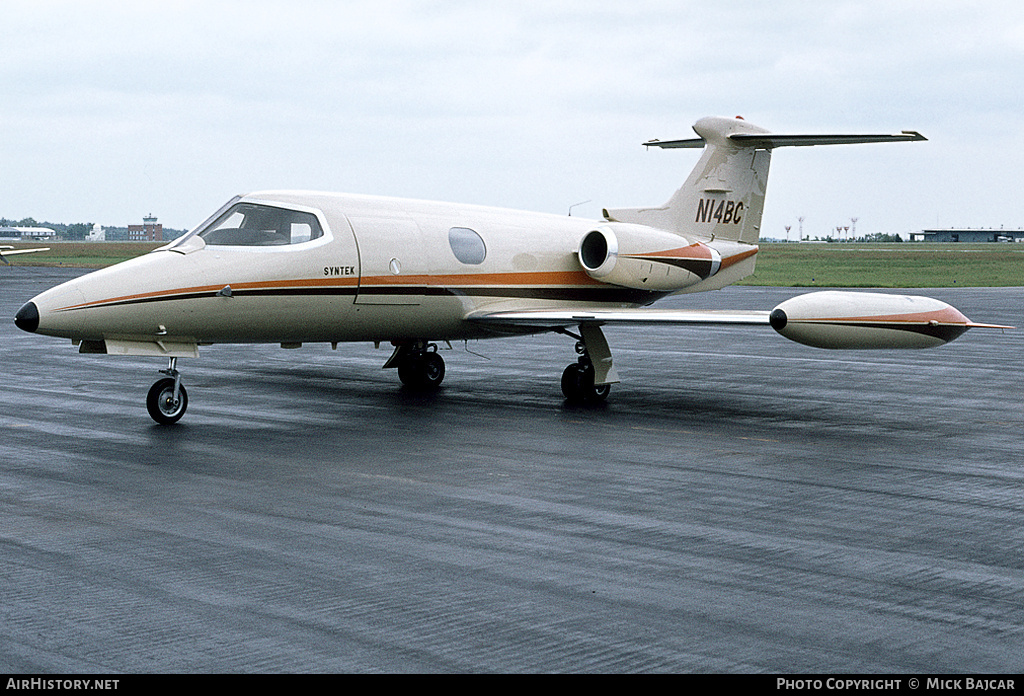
(27, 318)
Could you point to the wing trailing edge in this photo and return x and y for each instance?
(547, 318)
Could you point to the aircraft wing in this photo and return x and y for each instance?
(547, 318)
(825, 319)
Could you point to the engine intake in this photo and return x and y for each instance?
(599, 252)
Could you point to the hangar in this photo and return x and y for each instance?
(967, 235)
(28, 233)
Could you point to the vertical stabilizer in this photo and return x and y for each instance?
(723, 197)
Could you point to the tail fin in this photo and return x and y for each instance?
(723, 198)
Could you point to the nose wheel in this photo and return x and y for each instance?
(167, 398)
(421, 368)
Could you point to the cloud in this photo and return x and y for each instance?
(173, 107)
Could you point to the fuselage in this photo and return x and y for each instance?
(296, 267)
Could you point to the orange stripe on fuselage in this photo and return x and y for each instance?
(542, 278)
(736, 258)
(697, 251)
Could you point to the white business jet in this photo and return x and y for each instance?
(293, 267)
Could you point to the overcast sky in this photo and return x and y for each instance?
(113, 110)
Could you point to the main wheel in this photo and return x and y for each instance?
(161, 405)
(578, 385)
(572, 383)
(600, 392)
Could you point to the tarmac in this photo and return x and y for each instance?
(740, 504)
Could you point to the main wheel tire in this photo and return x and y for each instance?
(572, 384)
(160, 402)
(578, 385)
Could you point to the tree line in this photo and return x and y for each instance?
(76, 230)
(79, 231)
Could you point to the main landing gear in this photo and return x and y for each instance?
(167, 398)
(578, 380)
(420, 367)
(584, 382)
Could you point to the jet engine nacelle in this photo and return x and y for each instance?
(832, 319)
(644, 258)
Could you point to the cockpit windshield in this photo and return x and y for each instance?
(254, 224)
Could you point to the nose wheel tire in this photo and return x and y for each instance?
(423, 372)
(161, 404)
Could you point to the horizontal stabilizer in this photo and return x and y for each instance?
(771, 140)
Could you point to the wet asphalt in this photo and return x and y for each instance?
(740, 504)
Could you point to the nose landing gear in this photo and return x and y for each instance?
(167, 398)
(419, 365)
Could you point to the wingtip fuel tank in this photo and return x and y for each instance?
(858, 320)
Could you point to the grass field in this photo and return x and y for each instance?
(80, 254)
(908, 265)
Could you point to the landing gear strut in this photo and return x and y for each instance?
(578, 379)
(419, 365)
(167, 398)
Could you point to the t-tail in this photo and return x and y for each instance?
(723, 198)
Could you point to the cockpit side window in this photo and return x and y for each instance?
(253, 224)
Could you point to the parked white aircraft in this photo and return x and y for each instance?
(8, 250)
(295, 267)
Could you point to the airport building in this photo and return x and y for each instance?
(148, 231)
(967, 235)
(28, 233)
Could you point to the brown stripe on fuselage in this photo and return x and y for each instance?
(698, 267)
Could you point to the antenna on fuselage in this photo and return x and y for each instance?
(576, 204)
